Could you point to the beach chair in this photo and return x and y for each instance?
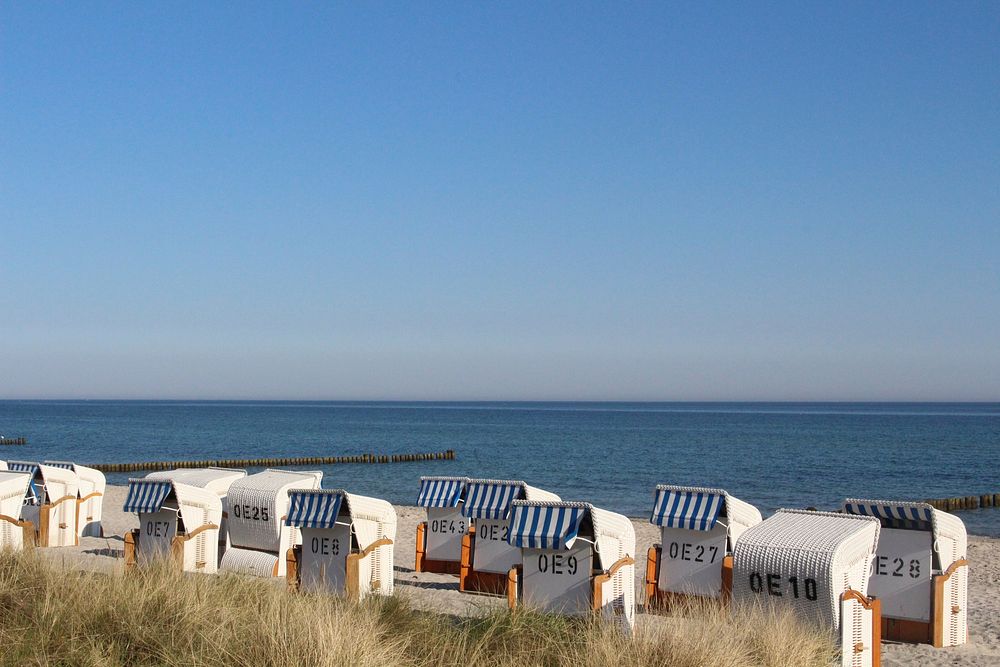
(216, 480)
(487, 557)
(817, 564)
(51, 503)
(576, 560)
(90, 498)
(439, 538)
(177, 522)
(3, 465)
(15, 533)
(698, 530)
(347, 543)
(920, 574)
(259, 537)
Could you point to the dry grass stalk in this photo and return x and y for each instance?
(55, 616)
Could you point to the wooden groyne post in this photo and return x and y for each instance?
(965, 502)
(13, 441)
(285, 462)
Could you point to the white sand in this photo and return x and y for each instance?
(439, 593)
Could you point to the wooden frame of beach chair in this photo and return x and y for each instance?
(178, 523)
(214, 479)
(90, 498)
(576, 559)
(53, 512)
(920, 573)
(259, 538)
(817, 564)
(347, 543)
(438, 546)
(699, 527)
(487, 557)
(15, 533)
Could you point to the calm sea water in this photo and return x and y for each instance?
(612, 454)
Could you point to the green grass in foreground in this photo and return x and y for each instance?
(54, 616)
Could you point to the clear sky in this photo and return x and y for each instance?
(663, 201)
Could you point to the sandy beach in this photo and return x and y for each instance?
(439, 593)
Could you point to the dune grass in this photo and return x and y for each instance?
(55, 616)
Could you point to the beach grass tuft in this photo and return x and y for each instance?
(51, 615)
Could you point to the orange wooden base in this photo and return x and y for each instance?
(597, 580)
(664, 600)
(919, 632)
(911, 632)
(470, 581)
(423, 564)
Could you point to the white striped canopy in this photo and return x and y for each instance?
(441, 491)
(313, 508)
(491, 499)
(545, 524)
(908, 516)
(145, 496)
(687, 507)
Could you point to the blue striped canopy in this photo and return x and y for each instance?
(23, 466)
(313, 508)
(440, 491)
(61, 464)
(145, 496)
(678, 507)
(32, 469)
(908, 516)
(491, 500)
(545, 525)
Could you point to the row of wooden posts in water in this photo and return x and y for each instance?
(946, 504)
(448, 455)
(965, 502)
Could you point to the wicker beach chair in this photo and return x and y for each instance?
(177, 522)
(576, 560)
(698, 530)
(439, 538)
(259, 538)
(90, 498)
(15, 532)
(487, 557)
(216, 480)
(816, 563)
(51, 503)
(347, 543)
(920, 573)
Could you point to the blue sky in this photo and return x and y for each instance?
(652, 201)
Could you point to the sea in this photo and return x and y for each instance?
(613, 455)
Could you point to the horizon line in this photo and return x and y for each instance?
(488, 400)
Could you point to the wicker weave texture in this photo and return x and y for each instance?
(13, 487)
(249, 561)
(855, 634)
(373, 519)
(217, 480)
(59, 483)
(534, 493)
(255, 497)
(740, 516)
(91, 510)
(614, 536)
(805, 560)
